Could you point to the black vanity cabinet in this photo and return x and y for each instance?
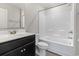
(19, 47)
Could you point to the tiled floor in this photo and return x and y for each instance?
(51, 54)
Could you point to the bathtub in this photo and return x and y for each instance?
(60, 46)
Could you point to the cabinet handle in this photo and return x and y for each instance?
(22, 51)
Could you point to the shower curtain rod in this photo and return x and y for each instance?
(52, 7)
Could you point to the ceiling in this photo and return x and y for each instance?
(48, 5)
(44, 5)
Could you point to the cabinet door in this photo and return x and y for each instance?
(29, 49)
(26, 50)
(15, 52)
(11, 45)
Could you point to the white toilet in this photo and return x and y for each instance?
(41, 47)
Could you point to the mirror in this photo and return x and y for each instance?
(3, 18)
(11, 17)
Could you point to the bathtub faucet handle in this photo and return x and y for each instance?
(69, 37)
(70, 32)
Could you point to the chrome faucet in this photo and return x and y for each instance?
(13, 32)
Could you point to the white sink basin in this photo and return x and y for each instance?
(8, 37)
(3, 36)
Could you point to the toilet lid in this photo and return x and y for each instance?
(42, 44)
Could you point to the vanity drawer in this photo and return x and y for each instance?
(10, 45)
(26, 50)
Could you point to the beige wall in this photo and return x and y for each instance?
(31, 18)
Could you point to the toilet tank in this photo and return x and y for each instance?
(37, 38)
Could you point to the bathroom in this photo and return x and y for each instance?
(39, 29)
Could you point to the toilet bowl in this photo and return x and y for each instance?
(42, 46)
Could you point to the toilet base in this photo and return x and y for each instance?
(40, 52)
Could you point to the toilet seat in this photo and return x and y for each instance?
(42, 45)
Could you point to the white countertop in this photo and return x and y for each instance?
(9, 37)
